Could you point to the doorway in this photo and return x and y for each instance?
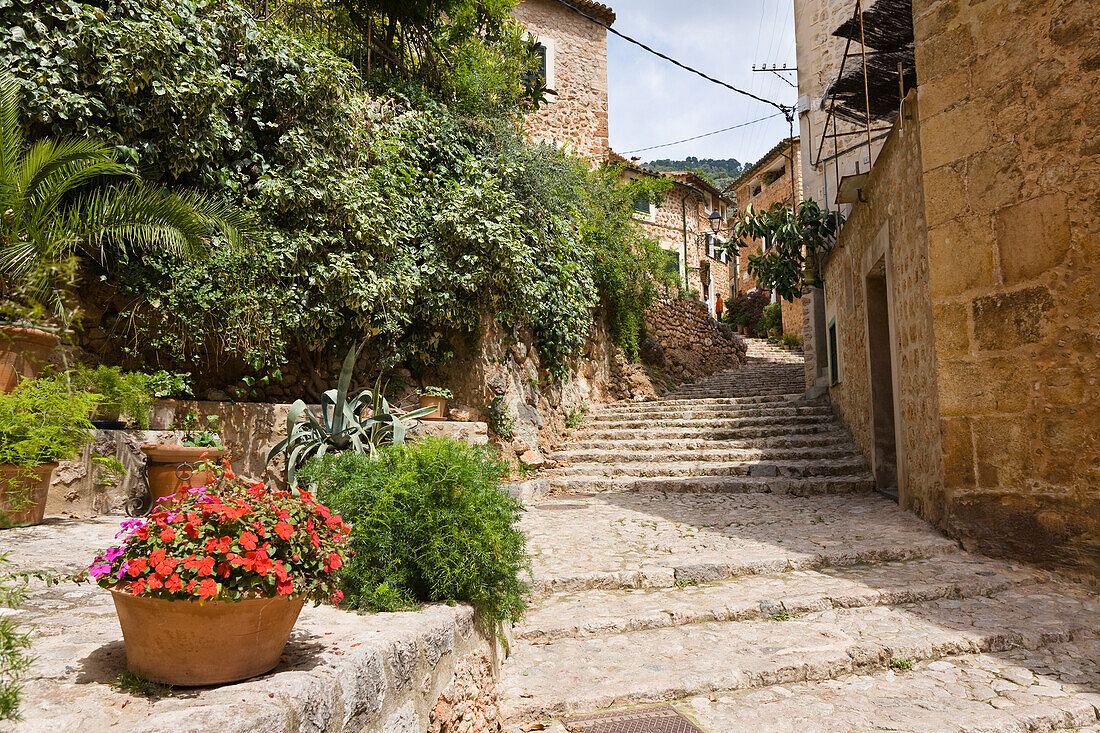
(879, 353)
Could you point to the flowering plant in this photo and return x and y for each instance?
(228, 541)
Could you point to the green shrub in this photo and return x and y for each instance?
(501, 420)
(791, 341)
(430, 522)
(43, 422)
(14, 661)
(771, 321)
(126, 394)
(746, 309)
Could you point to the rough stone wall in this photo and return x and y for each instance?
(1009, 113)
(778, 191)
(818, 55)
(577, 116)
(693, 344)
(890, 226)
(469, 703)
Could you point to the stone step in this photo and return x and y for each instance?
(725, 422)
(738, 484)
(598, 612)
(667, 418)
(1015, 691)
(824, 438)
(754, 468)
(583, 675)
(654, 540)
(764, 430)
(677, 404)
(764, 455)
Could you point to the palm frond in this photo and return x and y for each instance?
(11, 135)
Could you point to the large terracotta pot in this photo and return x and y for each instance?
(171, 468)
(439, 403)
(23, 351)
(192, 643)
(14, 481)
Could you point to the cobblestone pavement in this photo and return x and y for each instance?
(722, 550)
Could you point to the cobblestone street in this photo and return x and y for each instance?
(736, 561)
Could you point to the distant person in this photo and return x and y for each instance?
(718, 306)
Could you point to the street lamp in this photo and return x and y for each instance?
(715, 220)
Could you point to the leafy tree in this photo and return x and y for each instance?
(719, 171)
(794, 242)
(57, 208)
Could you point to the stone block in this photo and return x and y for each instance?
(992, 385)
(1032, 236)
(945, 92)
(994, 178)
(944, 52)
(952, 330)
(958, 452)
(955, 133)
(1007, 320)
(945, 193)
(1001, 450)
(960, 257)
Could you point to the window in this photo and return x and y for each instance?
(672, 264)
(641, 205)
(834, 367)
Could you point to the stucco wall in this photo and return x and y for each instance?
(1010, 110)
(890, 227)
(576, 117)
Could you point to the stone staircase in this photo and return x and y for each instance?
(722, 550)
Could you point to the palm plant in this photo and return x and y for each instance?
(64, 200)
(362, 424)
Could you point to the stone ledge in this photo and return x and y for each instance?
(341, 671)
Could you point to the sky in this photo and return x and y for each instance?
(653, 102)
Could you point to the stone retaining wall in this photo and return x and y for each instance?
(690, 343)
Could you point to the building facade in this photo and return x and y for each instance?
(962, 302)
(764, 184)
(680, 223)
(574, 51)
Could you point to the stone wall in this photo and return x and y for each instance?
(691, 343)
(576, 117)
(1011, 163)
(889, 231)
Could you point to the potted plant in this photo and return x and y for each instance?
(208, 588)
(125, 395)
(172, 469)
(434, 397)
(41, 423)
(23, 352)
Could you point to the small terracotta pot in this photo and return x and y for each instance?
(193, 643)
(23, 351)
(17, 482)
(439, 403)
(171, 468)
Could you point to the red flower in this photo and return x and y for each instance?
(135, 567)
(284, 530)
(157, 557)
(247, 540)
(228, 470)
(334, 562)
(174, 583)
(190, 530)
(337, 597)
(285, 587)
(167, 566)
(137, 587)
(208, 589)
(280, 570)
(155, 582)
(221, 545)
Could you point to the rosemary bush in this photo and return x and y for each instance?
(429, 522)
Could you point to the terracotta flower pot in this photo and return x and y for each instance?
(192, 643)
(440, 403)
(23, 351)
(23, 494)
(172, 468)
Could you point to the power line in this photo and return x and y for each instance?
(705, 134)
(782, 108)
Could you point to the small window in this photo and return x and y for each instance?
(672, 264)
(641, 205)
(834, 367)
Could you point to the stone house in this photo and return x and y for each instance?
(959, 322)
(680, 224)
(574, 55)
(763, 184)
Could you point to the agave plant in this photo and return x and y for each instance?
(362, 424)
(63, 201)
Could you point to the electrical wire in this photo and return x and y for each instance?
(782, 108)
(705, 134)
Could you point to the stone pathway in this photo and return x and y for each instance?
(723, 549)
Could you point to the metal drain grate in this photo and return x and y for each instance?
(560, 505)
(663, 719)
